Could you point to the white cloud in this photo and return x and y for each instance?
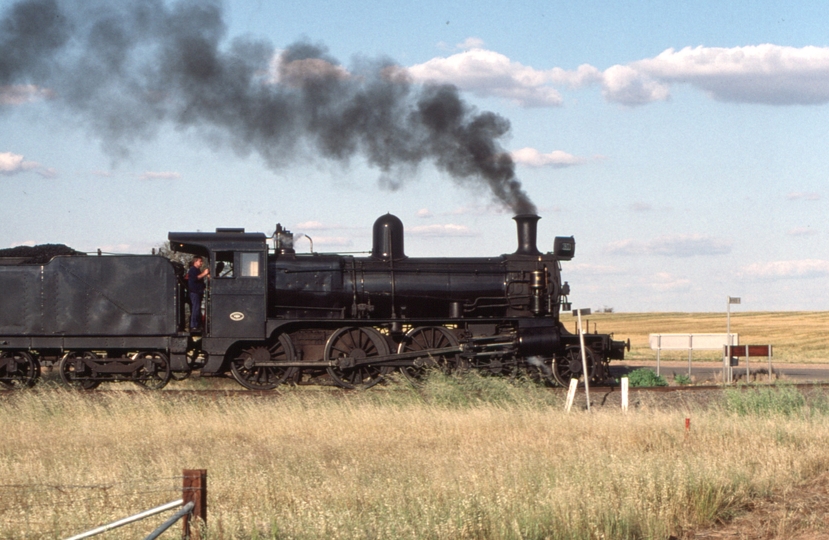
(11, 163)
(664, 282)
(449, 230)
(767, 74)
(160, 175)
(533, 158)
(804, 268)
(627, 85)
(681, 245)
(487, 73)
(801, 196)
(471, 43)
(311, 226)
(641, 207)
(802, 231)
(424, 213)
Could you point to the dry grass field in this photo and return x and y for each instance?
(471, 458)
(797, 336)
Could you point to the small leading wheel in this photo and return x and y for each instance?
(539, 370)
(488, 366)
(18, 369)
(75, 372)
(425, 338)
(357, 343)
(250, 368)
(154, 371)
(569, 365)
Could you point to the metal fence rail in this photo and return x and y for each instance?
(194, 501)
(690, 343)
(128, 520)
(186, 509)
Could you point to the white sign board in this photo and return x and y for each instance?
(697, 342)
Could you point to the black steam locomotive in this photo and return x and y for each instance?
(274, 316)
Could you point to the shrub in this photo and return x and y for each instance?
(646, 377)
(682, 379)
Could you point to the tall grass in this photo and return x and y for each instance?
(780, 400)
(471, 458)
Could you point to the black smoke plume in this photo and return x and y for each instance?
(125, 68)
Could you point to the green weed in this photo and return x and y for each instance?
(645, 377)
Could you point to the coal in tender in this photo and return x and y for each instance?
(39, 254)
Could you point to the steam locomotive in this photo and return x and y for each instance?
(274, 316)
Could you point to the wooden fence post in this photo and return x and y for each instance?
(194, 489)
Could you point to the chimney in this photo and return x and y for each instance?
(527, 225)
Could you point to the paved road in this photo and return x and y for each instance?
(713, 371)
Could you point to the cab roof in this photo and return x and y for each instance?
(202, 243)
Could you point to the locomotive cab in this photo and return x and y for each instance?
(235, 299)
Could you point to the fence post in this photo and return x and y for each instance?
(658, 351)
(690, 352)
(748, 372)
(625, 386)
(194, 489)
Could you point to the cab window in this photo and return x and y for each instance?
(224, 264)
(249, 263)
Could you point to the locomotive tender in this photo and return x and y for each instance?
(274, 316)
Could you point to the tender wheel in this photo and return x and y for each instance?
(423, 339)
(249, 371)
(18, 369)
(154, 373)
(359, 344)
(569, 365)
(74, 371)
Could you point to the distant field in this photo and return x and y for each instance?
(797, 336)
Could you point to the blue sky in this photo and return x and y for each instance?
(682, 144)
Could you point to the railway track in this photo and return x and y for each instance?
(173, 393)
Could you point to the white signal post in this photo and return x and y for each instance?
(571, 394)
(727, 360)
(579, 313)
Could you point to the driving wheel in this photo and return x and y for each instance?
(425, 338)
(358, 344)
(251, 368)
